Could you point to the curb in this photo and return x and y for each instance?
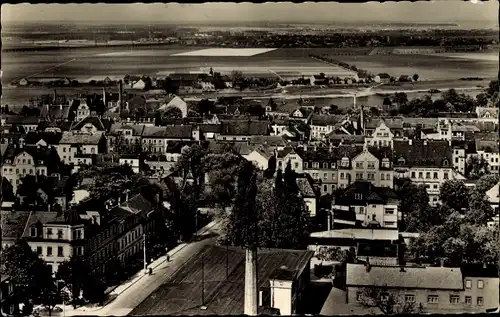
(174, 251)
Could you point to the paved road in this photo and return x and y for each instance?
(132, 295)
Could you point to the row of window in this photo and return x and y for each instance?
(428, 175)
(433, 299)
(60, 251)
(24, 161)
(24, 171)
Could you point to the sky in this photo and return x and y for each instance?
(435, 11)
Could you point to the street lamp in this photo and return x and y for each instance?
(144, 244)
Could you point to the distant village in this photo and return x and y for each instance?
(117, 179)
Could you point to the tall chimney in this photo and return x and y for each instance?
(251, 295)
(120, 93)
(55, 97)
(104, 97)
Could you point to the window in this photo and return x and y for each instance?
(325, 165)
(480, 284)
(64, 149)
(445, 176)
(325, 188)
(420, 175)
(49, 231)
(454, 299)
(33, 232)
(389, 223)
(468, 284)
(305, 164)
(361, 210)
(342, 176)
(468, 300)
(371, 165)
(359, 296)
(409, 298)
(432, 299)
(325, 176)
(39, 250)
(296, 165)
(371, 176)
(382, 177)
(59, 234)
(428, 175)
(60, 251)
(413, 175)
(359, 175)
(389, 211)
(435, 175)
(315, 165)
(479, 301)
(359, 164)
(358, 196)
(456, 159)
(49, 251)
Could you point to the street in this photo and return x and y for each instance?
(132, 293)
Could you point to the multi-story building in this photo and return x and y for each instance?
(489, 151)
(435, 289)
(289, 155)
(241, 130)
(124, 137)
(321, 165)
(425, 162)
(382, 136)
(73, 143)
(345, 154)
(373, 165)
(374, 206)
(322, 125)
(20, 161)
(156, 139)
(461, 151)
(55, 237)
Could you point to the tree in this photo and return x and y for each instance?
(158, 118)
(236, 76)
(271, 167)
(173, 113)
(454, 194)
(50, 294)
(26, 271)
(476, 167)
(387, 102)
(205, 106)
(75, 274)
(486, 182)
(388, 302)
(374, 111)
(400, 98)
(417, 214)
(482, 100)
(415, 77)
(493, 88)
(243, 219)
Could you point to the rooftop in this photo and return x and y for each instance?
(181, 294)
(442, 278)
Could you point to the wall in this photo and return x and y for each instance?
(259, 160)
(311, 206)
(281, 296)
(294, 159)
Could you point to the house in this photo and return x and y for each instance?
(300, 113)
(55, 237)
(273, 142)
(124, 137)
(259, 155)
(323, 125)
(20, 161)
(425, 162)
(241, 130)
(336, 139)
(91, 124)
(490, 152)
(55, 113)
(28, 123)
(487, 114)
(317, 80)
(345, 164)
(321, 165)
(155, 139)
(78, 142)
(139, 84)
(375, 207)
(279, 126)
(437, 289)
(307, 193)
(283, 276)
(373, 165)
(493, 196)
(208, 131)
(43, 139)
(289, 155)
(462, 150)
(82, 110)
(381, 136)
(49, 191)
(175, 102)
(131, 160)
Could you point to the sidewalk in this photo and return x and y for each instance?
(115, 305)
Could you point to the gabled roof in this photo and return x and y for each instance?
(17, 119)
(38, 154)
(51, 138)
(13, 223)
(370, 194)
(77, 137)
(137, 129)
(487, 146)
(168, 132)
(100, 124)
(326, 120)
(305, 187)
(439, 278)
(137, 205)
(269, 140)
(423, 153)
(244, 127)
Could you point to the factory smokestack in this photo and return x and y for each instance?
(104, 98)
(251, 294)
(120, 94)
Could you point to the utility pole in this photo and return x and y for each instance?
(202, 280)
(145, 259)
(227, 261)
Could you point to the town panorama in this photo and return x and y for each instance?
(229, 159)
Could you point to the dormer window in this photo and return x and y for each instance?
(385, 163)
(306, 164)
(358, 196)
(445, 163)
(33, 232)
(315, 165)
(49, 231)
(333, 165)
(401, 161)
(345, 162)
